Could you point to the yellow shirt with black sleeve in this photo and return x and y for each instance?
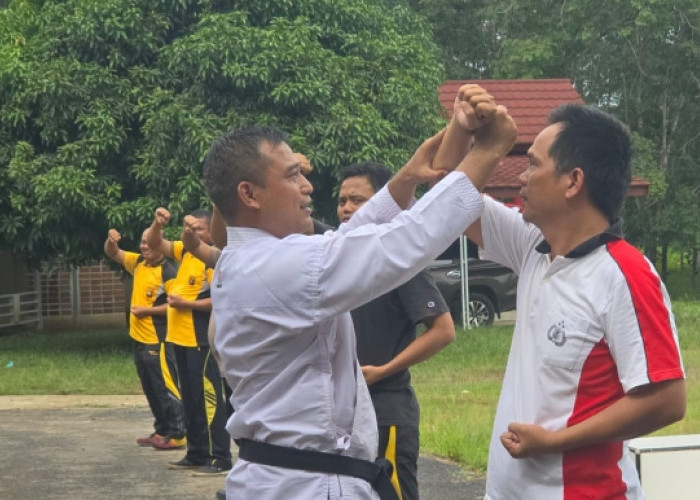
(187, 327)
(149, 287)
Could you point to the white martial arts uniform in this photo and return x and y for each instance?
(286, 338)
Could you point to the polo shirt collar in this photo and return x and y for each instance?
(612, 233)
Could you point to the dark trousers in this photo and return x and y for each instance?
(227, 396)
(399, 445)
(205, 407)
(155, 366)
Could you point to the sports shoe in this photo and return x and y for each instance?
(183, 463)
(167, 443)
(146, 441)
(214, 468)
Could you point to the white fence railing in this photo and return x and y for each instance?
(20, 309)
(63, 297)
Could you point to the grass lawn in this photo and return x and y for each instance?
(458, 388)
(83, 362)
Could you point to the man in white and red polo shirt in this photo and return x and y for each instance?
(594, 359)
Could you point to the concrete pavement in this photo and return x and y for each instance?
(68, 447)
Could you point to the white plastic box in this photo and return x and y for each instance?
(668, 466)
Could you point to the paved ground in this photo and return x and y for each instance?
(72, 447)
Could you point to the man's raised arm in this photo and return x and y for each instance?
(473, 107)
(155, 239)
(479, 135)
(208, 254)
(492, 142)
(418, 170)
(111, 246)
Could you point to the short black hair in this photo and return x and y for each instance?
(201, 213)
(236, 157)
(600, 145)
(377, 173)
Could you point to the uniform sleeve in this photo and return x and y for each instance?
(178, 251)
(169, 272)
(639, 326)
(421, 298)
(130, 261)
(507, 237)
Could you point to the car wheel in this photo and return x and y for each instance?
(481, 310)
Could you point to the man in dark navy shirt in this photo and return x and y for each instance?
(387, 344)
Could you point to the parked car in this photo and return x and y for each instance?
(492, 287)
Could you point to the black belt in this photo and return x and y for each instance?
(376, 473)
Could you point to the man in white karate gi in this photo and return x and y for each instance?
(281, 300)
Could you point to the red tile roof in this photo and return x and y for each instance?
(529, 103)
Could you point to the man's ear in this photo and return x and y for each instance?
(577, 182)
(248, 194)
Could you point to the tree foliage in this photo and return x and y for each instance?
(108, 107)
(638, 59)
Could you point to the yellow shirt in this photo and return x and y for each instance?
(148, 291)
(187, 327)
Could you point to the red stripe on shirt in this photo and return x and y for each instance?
(593, 471)
(663, 358)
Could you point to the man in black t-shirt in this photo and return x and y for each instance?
(387, 344)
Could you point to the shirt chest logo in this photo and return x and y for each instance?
(557, 334)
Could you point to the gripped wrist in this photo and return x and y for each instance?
(404, 179)
(489, 154)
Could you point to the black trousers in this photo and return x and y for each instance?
(399, 445)
(155, 366)
(203, 397)
(227, 396)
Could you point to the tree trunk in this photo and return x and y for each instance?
(664, 261)
(651, 252)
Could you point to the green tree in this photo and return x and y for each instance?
(650, 80)
(108, 107)
(636, 58)
(467, 34)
